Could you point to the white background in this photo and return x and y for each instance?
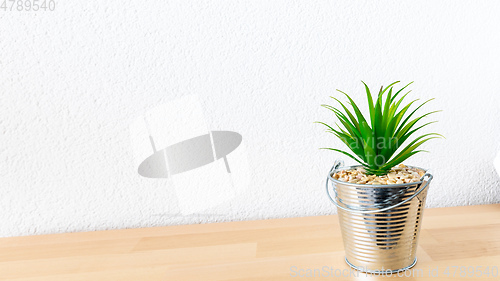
(72, 81)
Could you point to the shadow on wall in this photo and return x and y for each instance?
(206, 167)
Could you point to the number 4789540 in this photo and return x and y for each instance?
(27, 5)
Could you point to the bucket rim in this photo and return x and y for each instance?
(373, 185)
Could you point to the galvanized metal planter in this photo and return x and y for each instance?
(380, 224)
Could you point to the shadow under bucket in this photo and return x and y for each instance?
(380, 224)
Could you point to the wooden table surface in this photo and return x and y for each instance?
(455, 238)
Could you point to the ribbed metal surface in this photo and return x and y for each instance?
(376, 241)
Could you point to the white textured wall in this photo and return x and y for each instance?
(72, 81)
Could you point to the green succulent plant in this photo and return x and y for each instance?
(374, 141)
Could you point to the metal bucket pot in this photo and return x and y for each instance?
(380, 224)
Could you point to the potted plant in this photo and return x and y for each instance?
(380, 201)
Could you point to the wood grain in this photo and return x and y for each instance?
(252, 250)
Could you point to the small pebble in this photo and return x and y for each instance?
(397, 175)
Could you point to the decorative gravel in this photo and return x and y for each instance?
(397, 175)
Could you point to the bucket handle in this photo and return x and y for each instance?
(339, 163)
